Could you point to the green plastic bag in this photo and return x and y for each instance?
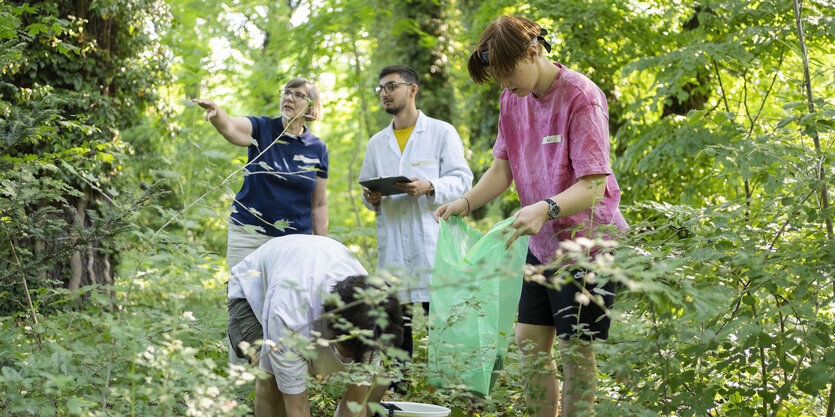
(475, 289)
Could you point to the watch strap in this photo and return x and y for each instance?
(553, 209)
(431, 191)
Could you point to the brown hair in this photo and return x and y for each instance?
(502, 45)
(315, 100)
(408, 73)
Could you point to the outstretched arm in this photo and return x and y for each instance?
(491, 185)
(237, 130)
(583, 195)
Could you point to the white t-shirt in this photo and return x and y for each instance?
(286, 282)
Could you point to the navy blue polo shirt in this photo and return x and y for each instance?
(284, 191)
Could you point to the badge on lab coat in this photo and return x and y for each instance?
(419, 163)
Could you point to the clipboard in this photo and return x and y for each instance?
(385, 185)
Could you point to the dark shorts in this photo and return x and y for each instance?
(558, 307)
(243, 325)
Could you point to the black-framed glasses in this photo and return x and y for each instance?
(295, 94)
(389, 87)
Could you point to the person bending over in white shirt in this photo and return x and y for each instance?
(309, 299)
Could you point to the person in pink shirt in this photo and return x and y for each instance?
(553, 141)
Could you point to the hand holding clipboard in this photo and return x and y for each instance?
(384, 185)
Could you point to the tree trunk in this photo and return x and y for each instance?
(807, 81)
(39, 248)
(363, 121)
(76, 264)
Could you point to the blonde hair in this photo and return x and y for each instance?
(314, 99)
(503, 44)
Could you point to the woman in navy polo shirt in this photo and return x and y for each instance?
(284, 184)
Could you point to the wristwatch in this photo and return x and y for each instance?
(553, 210)
(431, 191)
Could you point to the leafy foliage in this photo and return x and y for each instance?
(73, 79)
(726, 291)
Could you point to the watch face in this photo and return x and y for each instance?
(553, 211)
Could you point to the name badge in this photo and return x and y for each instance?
(551, 139)
(419, 163)
(305, 159)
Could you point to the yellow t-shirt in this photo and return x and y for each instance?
(402, 136)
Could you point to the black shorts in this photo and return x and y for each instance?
(558, 307)
(243, 325)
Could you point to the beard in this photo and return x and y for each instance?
(395, 110)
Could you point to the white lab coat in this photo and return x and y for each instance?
(406, 231)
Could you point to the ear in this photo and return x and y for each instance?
(413, 89)
(533, 51)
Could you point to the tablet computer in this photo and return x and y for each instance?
(385, 185)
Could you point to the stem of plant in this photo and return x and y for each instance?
(28, 298)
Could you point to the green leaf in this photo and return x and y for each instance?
(786, 121)
(354, 407)
(814, 379)
(75, 405)
(36, 28)
(794, 104)
(282, 225)
(10, 375)
(215, 154)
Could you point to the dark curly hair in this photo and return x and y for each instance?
(373, 310)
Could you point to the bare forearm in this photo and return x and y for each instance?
(236, 130)
(492, 184)
(583, 195)
(580, 196)
(222, 122)
(319, 213)
(320, 220)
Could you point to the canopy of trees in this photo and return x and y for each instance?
(114, 193)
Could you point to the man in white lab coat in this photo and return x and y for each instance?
(429, 152)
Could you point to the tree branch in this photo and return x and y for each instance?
(807, 81)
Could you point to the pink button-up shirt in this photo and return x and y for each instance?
(551, 142)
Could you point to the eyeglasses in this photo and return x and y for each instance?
(389, 87)
(296, 95)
